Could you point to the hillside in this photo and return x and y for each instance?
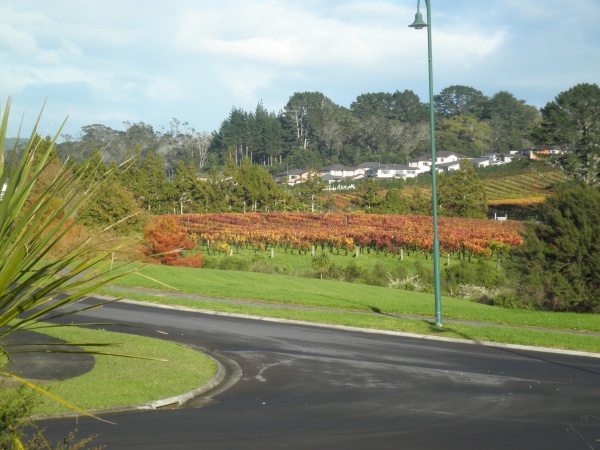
(533, 185)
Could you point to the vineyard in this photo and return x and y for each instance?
(535, 186)
(347, 232)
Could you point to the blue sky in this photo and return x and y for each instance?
(107, 61)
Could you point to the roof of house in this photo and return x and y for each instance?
(368, 165)
(420, 158)
(337, 167)
(444, 154)
(292, 172)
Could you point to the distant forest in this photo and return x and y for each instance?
(311, 132)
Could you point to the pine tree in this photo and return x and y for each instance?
(559, 263)
(154, 188)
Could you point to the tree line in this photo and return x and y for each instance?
(311, 131)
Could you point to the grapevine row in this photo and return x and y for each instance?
(387, 233)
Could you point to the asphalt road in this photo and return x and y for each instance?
(310, 387)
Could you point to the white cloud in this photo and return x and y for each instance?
(13, 40)
(149, 59)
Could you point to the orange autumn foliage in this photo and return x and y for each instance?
(165, 240)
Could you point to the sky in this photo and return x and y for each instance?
(109, 62)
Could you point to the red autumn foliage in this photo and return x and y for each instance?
(165, 240)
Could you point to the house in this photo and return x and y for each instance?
(338, 170)
(508, 157)
(447, 166)
(386, 171)
(443, 157)
(481, 162)
(292, 176)
(444, 161)
(422, 164)
(363, 169)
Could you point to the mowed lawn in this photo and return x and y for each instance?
(147, 370)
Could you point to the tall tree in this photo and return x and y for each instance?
(308, 190)
(370, 196)
(304, 114)
(463, 134)
(255, 188)
(154, 189)
(459, 100)
(511, 122)
(572, 123)
(183, 143)
(388, 125)
(393, 203)
(462, 194)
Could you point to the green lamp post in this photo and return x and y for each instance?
(418, 24)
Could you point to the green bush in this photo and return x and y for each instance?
(480, 273)
(559, 263)
(353, 272)
(378, 275)
(227, 263)
(511, 300)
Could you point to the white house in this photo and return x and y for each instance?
(447, 166)
(422, 164)
(443, 161)
(481, 162)
(339, 171)
(362, 170)
(393, 171)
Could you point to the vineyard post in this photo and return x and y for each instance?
(419, 24)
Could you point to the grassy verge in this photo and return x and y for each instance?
(117, 381)
(502, 325)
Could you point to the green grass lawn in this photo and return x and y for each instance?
(299, 263)
(502, 325)
(117, 381)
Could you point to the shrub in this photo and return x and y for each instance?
(480, 294)
(233, 263)
(410, 283)
(321, 263)
(353, 272)
(479, 273)
(165, 240)
(511, 300)
(377, 276)
(194, 261)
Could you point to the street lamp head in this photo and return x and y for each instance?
(419, 22)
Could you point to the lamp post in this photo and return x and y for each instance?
(418, 24)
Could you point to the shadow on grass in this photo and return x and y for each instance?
(432, 327)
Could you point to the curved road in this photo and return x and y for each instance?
(312, 387)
